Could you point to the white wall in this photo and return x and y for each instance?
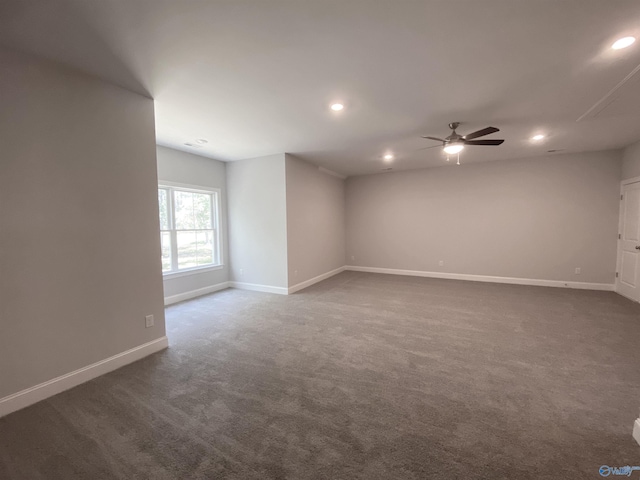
(315, 221)
(185, 168)
(536, 218)
(258, 221)
(631, 161)
(79, 246)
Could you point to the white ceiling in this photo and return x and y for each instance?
(256, 77)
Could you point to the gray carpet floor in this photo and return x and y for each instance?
(362, 376)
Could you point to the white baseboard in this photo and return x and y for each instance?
(311, 281)
(625, 296)
(259, 288)
(32, 395)
(636, 430)
(484, 278)
(195, 293)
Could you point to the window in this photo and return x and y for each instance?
(189, 228)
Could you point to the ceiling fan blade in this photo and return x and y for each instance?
(427, 148)
(434, 138)
(483, 142)
(481, 133)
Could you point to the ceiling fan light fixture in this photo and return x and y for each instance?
(453, 148)
(336, 107)
(388, 157)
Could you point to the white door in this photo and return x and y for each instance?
(629, 248)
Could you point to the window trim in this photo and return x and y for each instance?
(217, 207)
(191, 271)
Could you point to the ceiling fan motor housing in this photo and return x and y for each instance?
(454, 137)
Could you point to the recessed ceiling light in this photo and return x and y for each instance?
(336, 107)
(537, 138)
(201, 141)
(388, 156)
(623, 43)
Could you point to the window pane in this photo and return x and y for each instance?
(205, 247)
(183, 210)
(163, 198)
(165, 242)
(191, 221)
(202, 211)
(187, 250)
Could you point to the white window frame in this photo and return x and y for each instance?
(216, 196)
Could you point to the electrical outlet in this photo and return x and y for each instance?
(441, 263)
(241, 272)
(295, 273)
(578, 271)
(148, 321)
(353, 257)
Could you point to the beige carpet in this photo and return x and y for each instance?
(362, 376)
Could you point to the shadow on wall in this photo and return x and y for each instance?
(26, 23)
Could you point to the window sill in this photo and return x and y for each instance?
(191, 271)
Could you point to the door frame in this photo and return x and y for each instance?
(623, 184)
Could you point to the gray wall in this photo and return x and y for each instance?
(631, 161)
(181, 167)
(315, 221)
(536, 218)
(258, 220)
(79, 246)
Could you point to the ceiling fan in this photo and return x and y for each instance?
(455, 143)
